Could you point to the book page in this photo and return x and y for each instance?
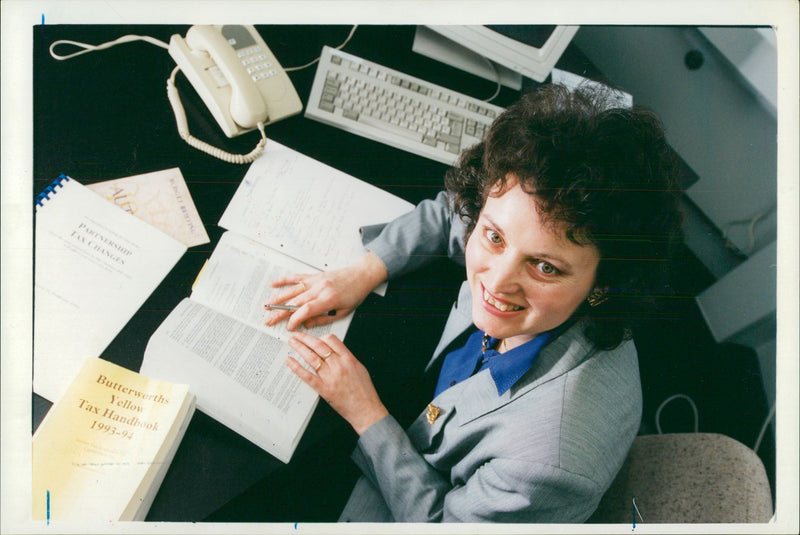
(237, 373)
(95, 265)
(160, 198)
(102, 450)
(306, 209)
(236, 281)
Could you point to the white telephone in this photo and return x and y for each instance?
(234, 72)
(236, 75)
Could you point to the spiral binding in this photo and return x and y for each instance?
(51, 190)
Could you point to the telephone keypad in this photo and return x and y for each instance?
(257, 64)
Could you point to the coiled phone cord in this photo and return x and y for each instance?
(183, 130)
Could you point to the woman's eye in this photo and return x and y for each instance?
(547, 269)
(493, 237)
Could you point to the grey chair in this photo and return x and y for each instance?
(693, 477)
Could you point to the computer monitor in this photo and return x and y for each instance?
(516, 50)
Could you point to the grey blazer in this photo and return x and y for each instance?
(545, 451)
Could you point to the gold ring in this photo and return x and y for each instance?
(318, 366)
(326, 355)
(303, 284)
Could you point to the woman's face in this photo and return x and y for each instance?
(526, 276)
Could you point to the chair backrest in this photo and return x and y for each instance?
(694, 477)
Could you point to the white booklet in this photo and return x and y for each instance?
(291, 214)
(95, 265)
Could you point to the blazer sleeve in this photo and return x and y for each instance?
(502, 490)
(430, 231)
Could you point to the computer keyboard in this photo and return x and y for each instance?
(400, 110)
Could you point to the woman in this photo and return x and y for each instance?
(564, 216)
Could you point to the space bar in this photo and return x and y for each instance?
(392, 128)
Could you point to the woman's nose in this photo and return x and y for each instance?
(504, 274)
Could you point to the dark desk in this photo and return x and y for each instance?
(105, 115)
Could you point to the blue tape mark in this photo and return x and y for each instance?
(42, 19)
(48, 507)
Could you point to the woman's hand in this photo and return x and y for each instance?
(340, 379)
(341, 290)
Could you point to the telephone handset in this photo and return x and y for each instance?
(236, 75)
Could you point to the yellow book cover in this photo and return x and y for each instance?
(102, 450)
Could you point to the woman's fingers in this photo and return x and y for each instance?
(314, 312)
(319, 354)
(312, 349)
(294, 286)
(341, 290)
(297, 286)
(336, 345)
(312, 294)
(325, 319)
(307, 353)
(340, 379)
(288, 280)
(306, 376)
(315, 354)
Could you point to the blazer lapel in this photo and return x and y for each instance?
(479, 394)
(558, 357)
(459, 320)
(423, 430)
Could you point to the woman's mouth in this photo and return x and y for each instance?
(503, 307)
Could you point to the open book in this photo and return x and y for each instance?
(291, 214)
(103, 449)
(95, 265)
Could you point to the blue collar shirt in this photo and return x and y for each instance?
(506, 368)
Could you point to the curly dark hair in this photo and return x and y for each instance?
(606, 173)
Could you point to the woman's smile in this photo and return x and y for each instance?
(498, 305)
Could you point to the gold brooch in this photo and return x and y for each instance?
(432, 413)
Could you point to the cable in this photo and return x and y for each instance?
(761, 433)
(174, 98)
(687, 398)
(751, 226)
(636, 509)
(183, 130)
(341, 46)
(770, 416)
(91, 48)
(497, 77)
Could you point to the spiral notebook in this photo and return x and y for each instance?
(94, 267)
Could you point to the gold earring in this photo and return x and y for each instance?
(597, 297)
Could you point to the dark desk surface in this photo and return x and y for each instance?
(105, 115)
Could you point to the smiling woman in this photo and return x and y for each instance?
(529, 276)
(604, 176)
(565, 216)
